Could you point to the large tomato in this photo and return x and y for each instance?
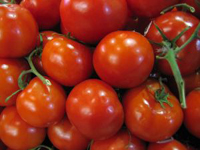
(145, 117)
(94, 109)
(40, 105)
(16, 133)
(45, 12)
(65, 136)
(67, 61)
(172, 24)
(167, 145)
(192, 113)
(10, 69)
(123, 59)
(89, 20)
(123, 140)
(18, 30)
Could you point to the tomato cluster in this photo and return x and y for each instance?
(99, 74)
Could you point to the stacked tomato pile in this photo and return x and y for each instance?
(100, 74)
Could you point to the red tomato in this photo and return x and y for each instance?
(123, 59)
(16, 133)
(168, 145)
(65, 136)
(172, 24)
(192, 113)
(10, 69)
(94, 109)
(67, 61)
(89, 20)
(120, 141)
(46, 37)
(40, 105)
(149, 9)
(19, 31)
(195, 4)
(145, 117)
(45, 12)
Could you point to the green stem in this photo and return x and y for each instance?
(192, 37)
(33, 69)
(184, 5)
(171, 58)
(11, 2)
(9, 97)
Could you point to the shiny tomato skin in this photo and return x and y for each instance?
(149, 9)
(46, 37)
(169, 145)
(40, 105)
(94, 109)
(67, 61)
(172, 24)
(120, 141)
(16, 133)
(123, 59)
(65, 136)
(10, 69)
(19, 31)
(195, 4)
(45, 12)
(89, 21)
(192, 113)
(144, 116)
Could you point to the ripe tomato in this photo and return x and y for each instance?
(89, 20)
(172, 24)
(46, 37)
(192, 113)
(65, 136)
(149, 9)
(120, 141)
(195, 4)
(16, 133)
(145, 117)
(45, 12)
(19, 31)
(70, 61)
(94, 109)
(123, 59)
(10, 69)
(40, 105)
(168, 145)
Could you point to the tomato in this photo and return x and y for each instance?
(149, 9)
(45, 12)
(120, 141)
(144, 116)
(94, 109)
(19, 31)
(89, 21)
(192, 113)
(168, 145)
(172, 24)
(10, 69)
(16, 133)
(123, 59)
(195, 4)
(40, 105)
(46, 36)
(70, 61)
(65, 136)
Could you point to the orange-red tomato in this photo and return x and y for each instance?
(16, 133)
(65, 136)
(10, 69)
(40, 105)
(145, 117)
